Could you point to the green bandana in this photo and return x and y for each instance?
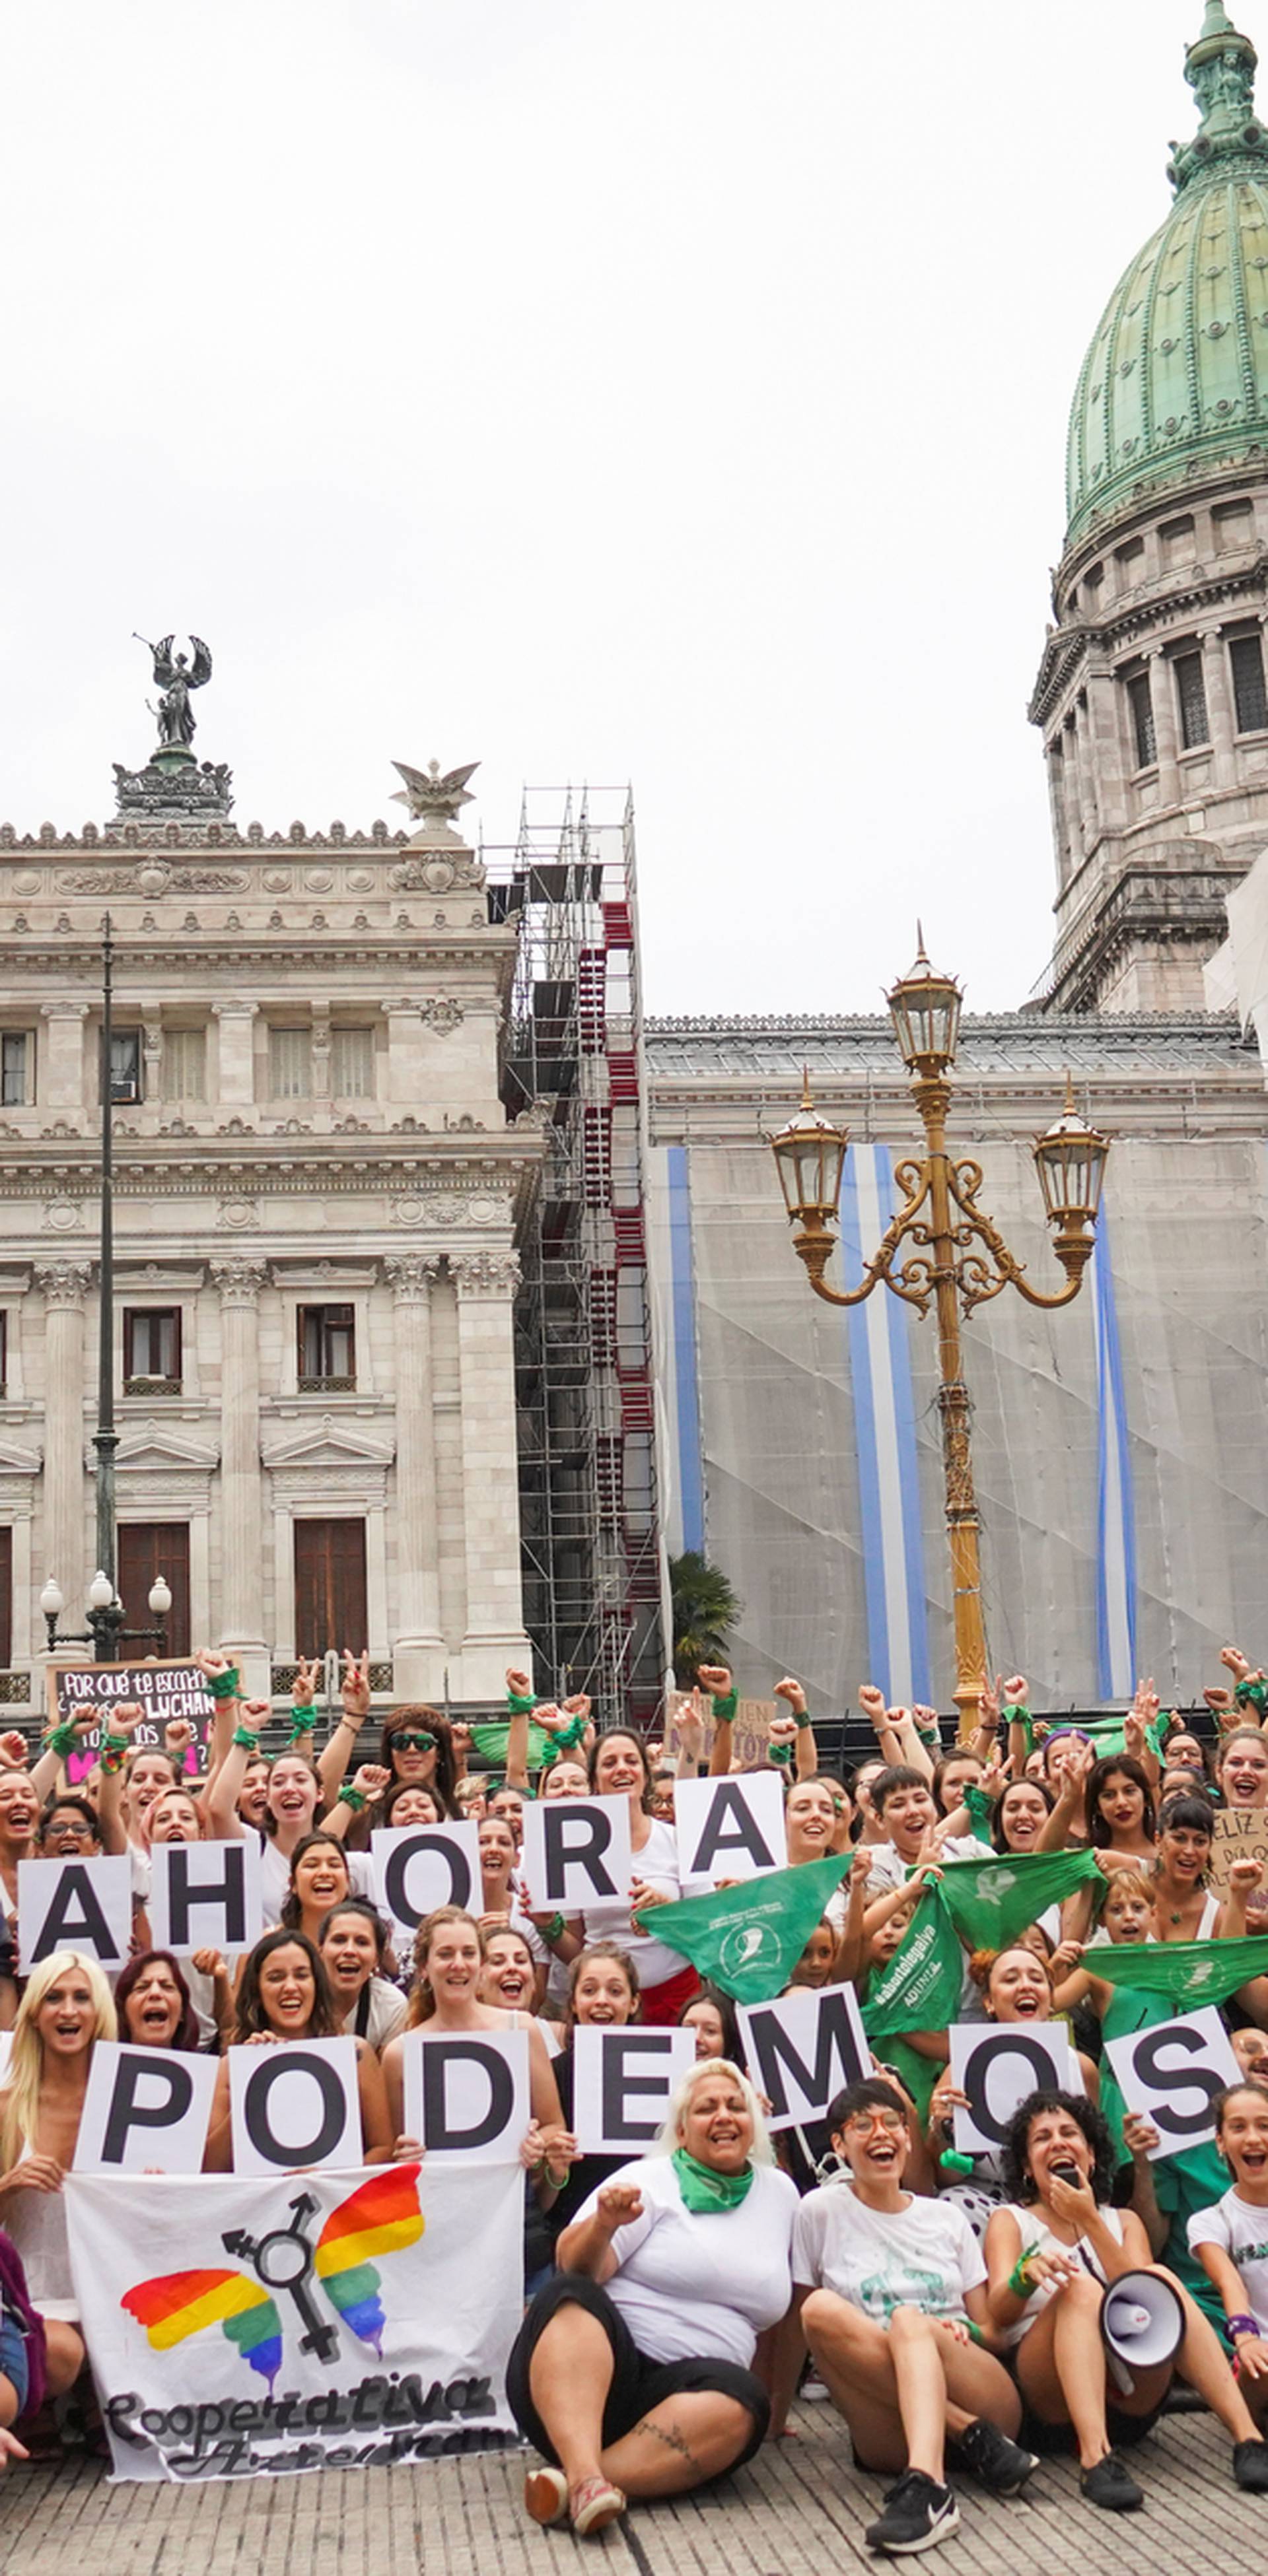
(490, 1743)
(1252, 1694)
(703, 2190)
(975, 1905)
(1185, 1972)
(748, 1939)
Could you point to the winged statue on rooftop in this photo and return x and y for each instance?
(427, 793)
(175, 677)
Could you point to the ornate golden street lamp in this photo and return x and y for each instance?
(960, 1259)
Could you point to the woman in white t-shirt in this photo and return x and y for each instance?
(618, 1767)
(1231, 2240)
(294, 1798)
(633, 2370)
(893, 2306)
(1051, 2252)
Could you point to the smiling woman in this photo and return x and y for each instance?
(285, 1997)
(633, 2371)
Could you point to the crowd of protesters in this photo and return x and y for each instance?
(948, 2306)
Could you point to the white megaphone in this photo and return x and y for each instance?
(1142, 2325)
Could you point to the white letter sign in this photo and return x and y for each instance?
(997, 2065)
(1172, 2073)
(75, 1905)
(803, 2050)
(621, 2084)
(146, 2110)
(295, 2104)
(729, 1828)
(206, 1896)
(577, 1854)
(418, 1867)
(467, 2093)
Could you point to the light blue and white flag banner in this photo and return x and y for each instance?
(1115, 1517)
(885, 1431)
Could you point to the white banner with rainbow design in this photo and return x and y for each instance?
(242, 2325)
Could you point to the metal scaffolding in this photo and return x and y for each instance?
(584, 1360)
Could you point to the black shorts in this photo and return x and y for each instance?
(637, 2383)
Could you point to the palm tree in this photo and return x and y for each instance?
(705, 1610)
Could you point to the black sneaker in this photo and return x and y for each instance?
(1250, 2466)
(1002, 2466)
(1111, 2485)
(918, 2514)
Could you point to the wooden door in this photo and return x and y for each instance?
(146, 1550)
(330, 1587)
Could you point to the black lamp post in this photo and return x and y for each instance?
(106, 1630)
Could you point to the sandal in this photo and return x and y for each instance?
(545, 2495)
(593, 2505)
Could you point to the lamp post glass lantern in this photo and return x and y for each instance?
(959, 1259)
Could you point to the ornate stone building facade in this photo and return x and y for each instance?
(1151, 693)
(317, 1197)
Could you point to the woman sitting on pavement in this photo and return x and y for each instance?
(633, 2369)
(1050, 2253)
(892, 2304)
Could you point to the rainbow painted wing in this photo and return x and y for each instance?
(383, 2217)
(178, 2304)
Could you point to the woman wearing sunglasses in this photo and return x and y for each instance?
(418, 1750)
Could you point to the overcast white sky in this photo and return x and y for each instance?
(663, 390)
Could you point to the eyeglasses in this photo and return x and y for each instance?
(409, 1742)
(861, 2123)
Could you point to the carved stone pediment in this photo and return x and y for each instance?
(153, 1445)
(329, 1443)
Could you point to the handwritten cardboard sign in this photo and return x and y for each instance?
(1237, 1833)
(164, 1691)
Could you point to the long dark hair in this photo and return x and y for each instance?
(727, 2015)
(291, 1914)
(1019, 2182)
(416, 1718)
(186, 2035)
(1099, 1834)
(997, 1820)
(252, 2018)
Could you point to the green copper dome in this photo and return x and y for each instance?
(1177, 374)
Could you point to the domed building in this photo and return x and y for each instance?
(1151, 692)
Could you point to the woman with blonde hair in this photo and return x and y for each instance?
(633, 2370)
(66, 2008)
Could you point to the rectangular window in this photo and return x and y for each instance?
(184, 1064)
(1232, 526)
(330, 1599)
(151, 1350)
(146, 1550)
(1191, 690)
(1246, 654)
(125, 1064)
(352, 1064)
(290, 1064)
(17, 1055)
(1140, 698)
(327, 1351)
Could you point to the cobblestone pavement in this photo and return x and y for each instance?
(797, 2511)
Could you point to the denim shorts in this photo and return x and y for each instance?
(13, 2356)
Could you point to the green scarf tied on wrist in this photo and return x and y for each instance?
(703, 2191)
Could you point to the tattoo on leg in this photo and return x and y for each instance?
(672, 2440)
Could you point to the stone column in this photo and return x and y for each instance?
(65, 1286)
(1162, 690)
(1077, 794)
(1105, 745)
(486, 1284)
(241, 1624)
(236, 1080)
(1219, 705)
(419, 1650)
(61, 1082)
